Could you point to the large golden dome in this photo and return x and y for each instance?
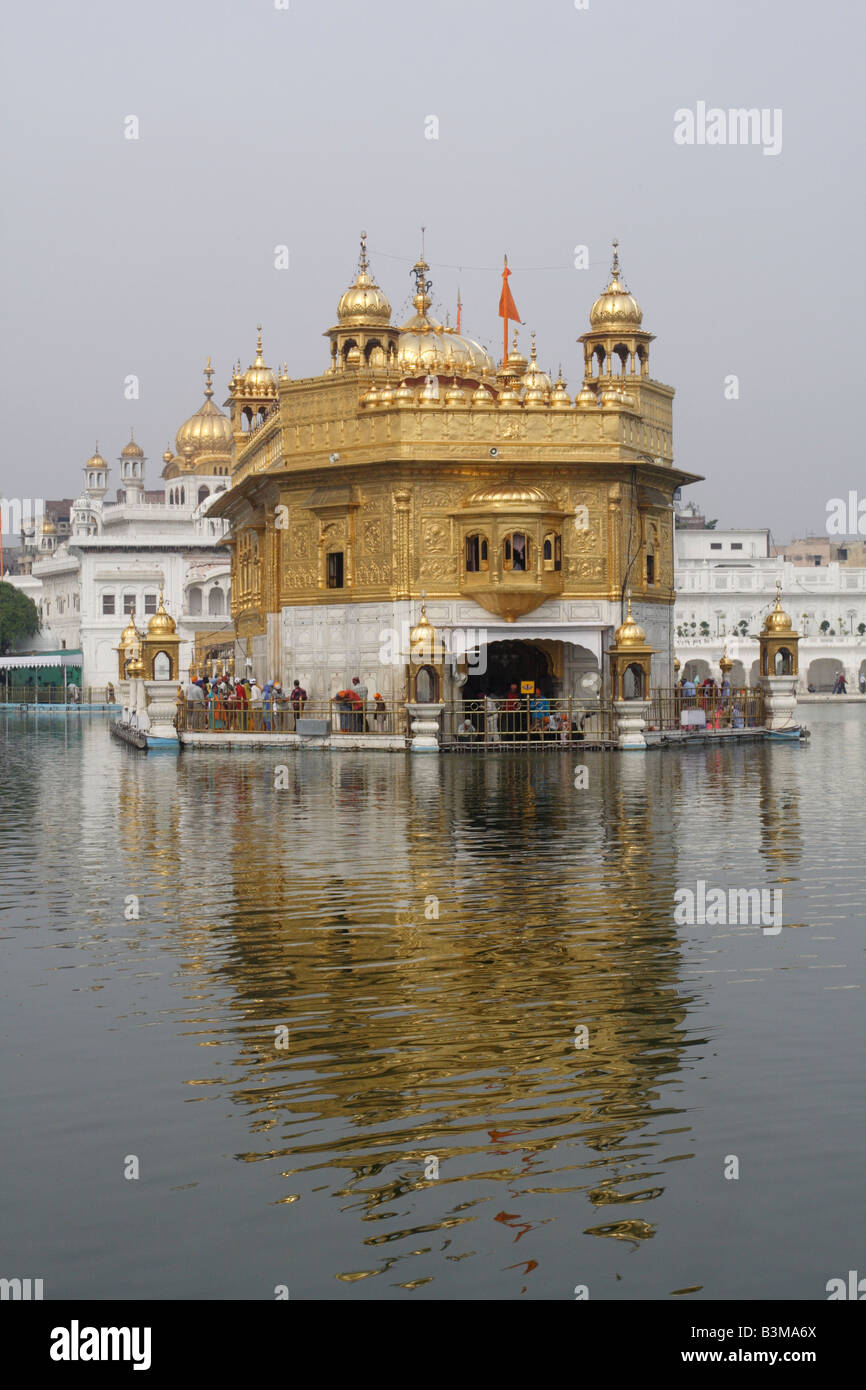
(363, 299)
(426, 347)
(615, 307)
(206, 432)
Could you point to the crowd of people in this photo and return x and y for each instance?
(242, 705)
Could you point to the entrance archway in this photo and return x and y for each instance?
(508, 663)
(822, 674)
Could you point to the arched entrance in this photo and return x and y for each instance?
(822, 673)
(509, 663)
(696, 670)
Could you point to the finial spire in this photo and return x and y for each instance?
(362, 268)
(208, 374)
(259, 340)
(532, 336)
(614, 270)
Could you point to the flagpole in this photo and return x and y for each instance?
(505, 340)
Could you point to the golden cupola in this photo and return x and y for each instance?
(615, 307)
(161, 624)
(363, 337)
(630, 633)
(778, 621)
(204, 436)
(534, 381)
(363, 302)
(426, 347)
(616, 346)
(132, 450)
(258, 380)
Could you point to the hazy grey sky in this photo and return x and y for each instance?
(261, 126)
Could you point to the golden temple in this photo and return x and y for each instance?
(414, 465)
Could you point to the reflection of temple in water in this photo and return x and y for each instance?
(433, 934)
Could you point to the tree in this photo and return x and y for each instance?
(825, 627)
(19, 617)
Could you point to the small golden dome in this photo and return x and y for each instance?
(508, 494)
(615, 307)
(363, 300)
(132, 450)
(404, 395)
(560, 399)
(258, 379)
(96, 460)
(370, 396)
(135, 668)
(161, 624)
(386, 394)
(423, 634)
(482, 399)
(585, 399)
(455, 395)
(629, 633)
(534, 379)
(778, 621)
(48, 527)
(130, 637)
(725, 663)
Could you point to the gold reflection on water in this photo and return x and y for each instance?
(450, 1035)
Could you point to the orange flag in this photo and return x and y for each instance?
(507, 306)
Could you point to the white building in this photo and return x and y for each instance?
(121, 555)
(726, 585)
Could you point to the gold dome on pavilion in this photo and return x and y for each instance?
(363, 300)
(132, 450)
(96, 460)
(615, 307)
(48, 527)
(258, 379)
(130, 637)
(630, 633)
(161, 624)
(778, 620)
(208, 431)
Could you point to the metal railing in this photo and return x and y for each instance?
(218, 715)
(491, 725)
(56, 695)
(708, 708)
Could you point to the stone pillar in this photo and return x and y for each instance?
(631, 717)
(425, 727)
(780, 701)
(160, 712)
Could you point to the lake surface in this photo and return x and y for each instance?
(414, 1037)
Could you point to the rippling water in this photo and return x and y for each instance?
(417, 1039)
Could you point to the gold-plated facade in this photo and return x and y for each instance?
(414, 462)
